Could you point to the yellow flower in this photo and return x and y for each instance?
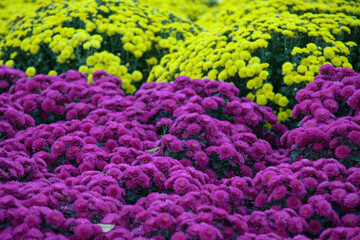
(264, 74)
(83, 69)
(311, 47)
(9, 63)
(287, 67)
(301, 69)
(251, 96)
(137, 76)
(283, 101)
(267, 87)
(53, 73)
(282, 116)
(213, 74)
(336, 61)
(250, 84)
(261, 100)
(223, 75)
(30, 71)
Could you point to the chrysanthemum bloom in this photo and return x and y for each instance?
(201, 159)
(296, 226)
(193, 145)
(342, 152)
(220, 197)
(208, 232)
(314, 227)
(132, 172)
(354, 136)
(72, 152)
(279, 192)
(209, 104)
(322, 114)
(178, 236)
(164, 220)
(32, 221)
(55, 218)
(114, 191)
(29, 106)
(177, 145)
(57, 148)
(39, 144)
(331, 105)
(83, 231)
(180, 185)
(293, 202)
(226, 151)
(194, 230)
(40, 199)
(34, 233)
(176, 210)
(323, 208)
(144, 180)
(114, 172)
(347, 91)
(350, 220)
(193, 128)
(306, 211)
(351, 200)
(301, 139)
(260, 200)
(331, 169)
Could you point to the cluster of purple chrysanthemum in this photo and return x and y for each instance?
(182, 160)
(330, 107)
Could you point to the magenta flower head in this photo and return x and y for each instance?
(350, 220)
(342, 151)
(226, 151)
(306, 211)
(55, 218)
(208, 232)
(314, 227)
(293, 202)
(209, 104)
(279, 192)
(179, 236)
(83, 231)
(180, 185)
(354, 136)
(220, 197)
(201, 159)
(351, 200)
(164, 220)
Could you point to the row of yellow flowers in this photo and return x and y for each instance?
(268, 48)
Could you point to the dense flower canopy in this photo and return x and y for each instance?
(148, 119)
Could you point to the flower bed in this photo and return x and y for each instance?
(112, 126)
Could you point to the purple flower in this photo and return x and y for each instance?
(306, 211)
(209, 104)
(55, 218)
(180, 185)
(208, 232)
(324, 208)
(293, 202)
(279, 192)
(201, 159)
(164, 220)
(220, 197)
(32, 221)
(350, 220)
(351, 200)
(193, 128)
(83, 231)
(354, 136)
(342, 152)
(314, 227)
(179, 236)
(226, 151)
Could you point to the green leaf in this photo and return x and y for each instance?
(106, 227)
(153, 150)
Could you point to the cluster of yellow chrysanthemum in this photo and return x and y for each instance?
(121, 37)
(268, 48)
